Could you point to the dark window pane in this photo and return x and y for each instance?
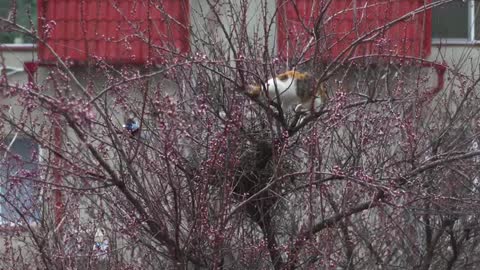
(450, 20)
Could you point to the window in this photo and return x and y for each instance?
(25, 15)
(456, 21)
(18, 192)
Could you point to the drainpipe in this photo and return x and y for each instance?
(57, 176)
(31, 70)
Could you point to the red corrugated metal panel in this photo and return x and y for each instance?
(347, 20)
(119, 31)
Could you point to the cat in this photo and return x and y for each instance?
(294, 90)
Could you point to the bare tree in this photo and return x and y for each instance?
(177, 166)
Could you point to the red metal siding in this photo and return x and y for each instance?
(347, 20)
(119, 31)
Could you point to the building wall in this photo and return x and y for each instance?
(258, 16)
(16, 55)
(465, 58)
(463, 62)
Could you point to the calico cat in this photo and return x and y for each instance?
(294, 90)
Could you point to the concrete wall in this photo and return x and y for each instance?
(464, 58)
(236, 18)
(16, 55)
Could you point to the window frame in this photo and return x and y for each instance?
(470, 40)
